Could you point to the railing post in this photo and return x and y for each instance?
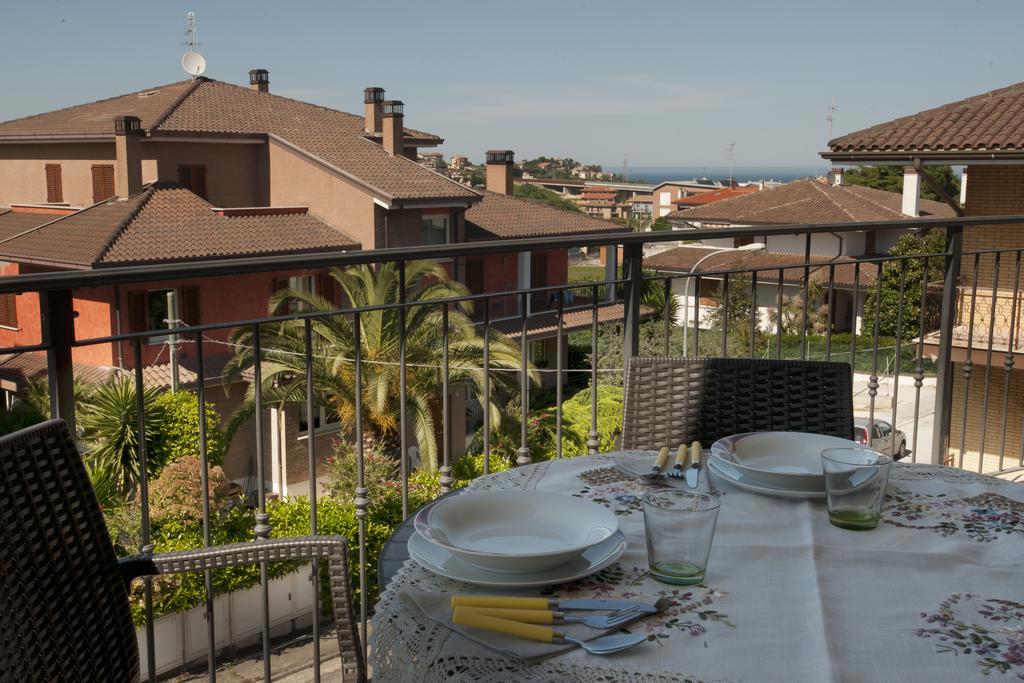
(944, 370)
(633, 255)
(57, 316)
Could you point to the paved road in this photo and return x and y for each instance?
(904, 409)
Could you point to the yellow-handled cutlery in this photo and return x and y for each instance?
(659, 465)
(688, 461)
(545, 634)
(544, 616)
(525, 602)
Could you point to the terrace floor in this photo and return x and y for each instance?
(290, 662)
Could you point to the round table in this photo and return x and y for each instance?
(933, 594)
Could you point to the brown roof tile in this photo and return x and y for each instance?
(990, 121)
(333, 136)
(543, 325)
(16, 222)
(500, 215)
(167, 224)
(808, 202)
(31, 365)
(683, 259)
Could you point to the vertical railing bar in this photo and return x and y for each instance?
(362, 499)
(899, 350)
(146, 546)
(919, 364)
(855, 331)
(725, 315)
(988, 361)
(403, 408)
(873, 379)
(806, 297)
(1008, 361)
(942, 422)
(592, 437)
(446, 405)
(523, 454)
(311, 410)
(696, 318)
(968, 364)
(830, 323)
(204, 483)
(665, 313)
(778, 326)
(559, 346)
(487, 385)
(262, 528)
(753, 313)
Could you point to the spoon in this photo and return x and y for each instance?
(598, 646)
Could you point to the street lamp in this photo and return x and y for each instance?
(753, 247)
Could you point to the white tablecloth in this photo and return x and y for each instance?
(936, 593)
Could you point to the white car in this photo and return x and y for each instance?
(885, 438)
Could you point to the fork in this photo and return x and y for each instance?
(543, 616)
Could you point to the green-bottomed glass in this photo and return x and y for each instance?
(857, 518)
(678, 573)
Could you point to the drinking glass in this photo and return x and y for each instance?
(855, 480)
(679, 528)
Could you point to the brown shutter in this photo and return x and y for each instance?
(8, 310)
(325, 287)
(137, 312)
(54, 187)
(190, 305)
(475, 275)
(102, 183)
(193, 176)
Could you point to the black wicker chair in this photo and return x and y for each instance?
(64, 613)
(670, 401)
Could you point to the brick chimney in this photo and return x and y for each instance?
(911, 192)
(373, 101)
(128, 155)
(393, 126)
(259, 80)
(499, 170)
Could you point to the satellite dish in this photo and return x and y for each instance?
(193, 63)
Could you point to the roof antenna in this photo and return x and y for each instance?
(828, 119)
(192, 62)
(730, 149)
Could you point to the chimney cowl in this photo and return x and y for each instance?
(373, 95)
(500, 156)
(127, 125)
(259, 80)
(393, 108)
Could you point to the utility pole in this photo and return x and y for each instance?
(730, 149)
(172, 322)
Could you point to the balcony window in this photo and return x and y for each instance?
(323, 419)
(434, 229)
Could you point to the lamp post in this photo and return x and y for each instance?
(753, 247)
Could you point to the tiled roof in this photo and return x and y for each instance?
(714, 196)
(543, 325)
(683, 259)
(159, 376)
(500, 215)
(16, 222)
(166, 223)
(991, 121)
(206, 106)
(810, 202)
(31, 365)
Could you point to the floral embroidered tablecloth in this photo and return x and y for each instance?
(936, 593)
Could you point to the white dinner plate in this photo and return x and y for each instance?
(436, 559)
(515, 531)
(724, 470)
(784, 460)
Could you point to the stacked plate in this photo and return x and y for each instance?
(784, 464)
(515, 538)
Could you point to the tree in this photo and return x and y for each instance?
(890, 179)
(734, 317)
(652, 295)
(179, 429)
(917, 273)
(544, 196)
(333, 352)
(661, 225)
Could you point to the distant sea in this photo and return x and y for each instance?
(742, 174)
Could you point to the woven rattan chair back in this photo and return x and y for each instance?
(669, 401)
(64, 612)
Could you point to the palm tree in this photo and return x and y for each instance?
(333, 350)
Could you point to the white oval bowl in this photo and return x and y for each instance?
(515, 531)
(790, 460)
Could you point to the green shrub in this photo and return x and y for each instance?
(178, 435)
(576, 414)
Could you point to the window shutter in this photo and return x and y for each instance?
(102, 183)
(8, 310)
(325, 287)
(190, 305)
(54, 188)
(136, 311)
(475, 275)
(193, 176)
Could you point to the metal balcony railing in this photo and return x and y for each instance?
(964, 329)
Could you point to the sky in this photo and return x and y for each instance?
(668, 83)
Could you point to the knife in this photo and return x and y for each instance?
(693, 472)
(510, 602)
